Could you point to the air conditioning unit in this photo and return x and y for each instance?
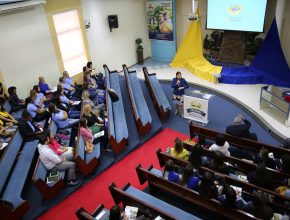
(13, 5)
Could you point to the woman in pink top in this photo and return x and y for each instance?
(87, 135)
(62, 152)
(85, 131)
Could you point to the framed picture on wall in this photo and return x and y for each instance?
(160, 20)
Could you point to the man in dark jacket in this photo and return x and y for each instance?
(27, 128)
(241, 128)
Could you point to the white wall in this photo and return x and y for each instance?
(26, 50)
(183, 9)
(285, 32)
(117, 47)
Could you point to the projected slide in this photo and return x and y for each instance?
(239, 15)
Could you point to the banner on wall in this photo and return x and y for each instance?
(196, 109)
(160, 21)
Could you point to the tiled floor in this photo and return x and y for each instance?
(246, 95)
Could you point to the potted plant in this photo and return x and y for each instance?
(212, 43)
(139, 50)
(252, 45)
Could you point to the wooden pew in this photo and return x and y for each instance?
(121, 196)
(99, 213)
(48, 191)
(139, 106)
(3, 151)
(248, 187)
(242, 165)
(159, 99)
(12, 205)
(188, 195)
(117, 139)
(242, 143)
(86, 163)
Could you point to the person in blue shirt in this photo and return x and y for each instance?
(179, 86)
(60, 117)
(38, 99)
(44, 88)
(67, 80)
(37, 113)
(188, 180)
(67, 87)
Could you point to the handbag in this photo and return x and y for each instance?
(89, 147)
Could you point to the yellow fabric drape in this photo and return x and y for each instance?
(190, 55)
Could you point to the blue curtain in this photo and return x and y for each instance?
(269, 66)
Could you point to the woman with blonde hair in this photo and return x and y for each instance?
(96, 124)
(87, 101)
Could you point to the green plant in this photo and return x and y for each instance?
(214, 41)
(253, 43)
(139, 41)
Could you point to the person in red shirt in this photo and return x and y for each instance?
(61, 151)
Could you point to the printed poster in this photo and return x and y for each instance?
(196, 109)
(160, 20)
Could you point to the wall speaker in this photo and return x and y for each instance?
(113, 21)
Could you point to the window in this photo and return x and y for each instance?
(70, 41)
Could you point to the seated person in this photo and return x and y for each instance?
(37, 113)
(38, 99)
(169, 172)
(73, 93)
(261, 208)
(67, 108)
(3, 96)
(6, 117)
(200, 139)
(61, 151)
(196, 156)
(265, 158)
(283, 164)
(188, 180)
(218, 163)
(95, 122)
(87, 101)
(261, 177)
(241, 128)
(91, 84)
(67, 87)
(28, 130)
(221, 145)
(65, 104)
(100, 81)
(88, 136)
(206, 186)
(6, 132)
(60, 117)
(67, 80)
(283, 190)
(117, 214)
(16, 103)
(52, 161)
(178, 151)
(229, 198)
(44, 88)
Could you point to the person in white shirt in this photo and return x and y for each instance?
(52, 160)
(221, 145)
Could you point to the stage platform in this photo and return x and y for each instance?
(246, 96)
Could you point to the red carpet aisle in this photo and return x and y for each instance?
(95, 192)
